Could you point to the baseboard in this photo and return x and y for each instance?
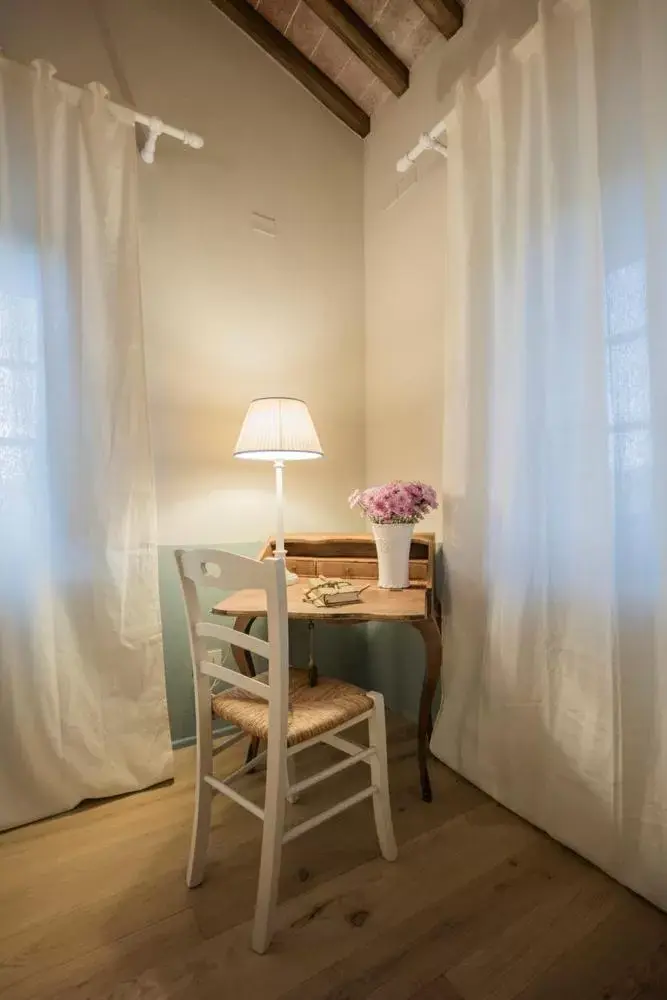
(188, 741)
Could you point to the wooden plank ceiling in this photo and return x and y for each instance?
(351, 54)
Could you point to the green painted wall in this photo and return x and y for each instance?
(395, 666)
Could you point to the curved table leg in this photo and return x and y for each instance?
(312, 665)
(430, 633)
(246, 665)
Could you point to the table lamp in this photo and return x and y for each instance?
(278, 430)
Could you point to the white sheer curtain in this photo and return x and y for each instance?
(555, 680)
(82, 696)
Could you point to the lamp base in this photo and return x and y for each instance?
(290, 577)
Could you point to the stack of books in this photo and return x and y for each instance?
(332, 593)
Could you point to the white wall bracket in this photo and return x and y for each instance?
(156, 128)
(434, 144)
(427, 141)
(154, 132)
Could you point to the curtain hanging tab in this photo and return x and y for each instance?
(44, 69)
(98, 89)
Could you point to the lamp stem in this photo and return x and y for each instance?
(280, 524)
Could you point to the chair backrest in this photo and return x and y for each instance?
(225, 571)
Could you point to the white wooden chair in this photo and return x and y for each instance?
(281, 708)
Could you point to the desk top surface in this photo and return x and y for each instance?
(375, 604)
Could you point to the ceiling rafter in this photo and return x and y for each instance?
(290, 58)
(363, 41)
(446, 15)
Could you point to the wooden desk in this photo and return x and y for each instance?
(354, 557)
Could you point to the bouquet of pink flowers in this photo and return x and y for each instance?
(395, 503)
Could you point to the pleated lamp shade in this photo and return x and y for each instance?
(277, 429)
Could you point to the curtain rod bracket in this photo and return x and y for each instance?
(426, 141)
(155, 129)
(429, 142)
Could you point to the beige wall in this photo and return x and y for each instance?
(229, 313)
(405, 254)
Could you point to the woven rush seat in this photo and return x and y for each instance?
(312, 710)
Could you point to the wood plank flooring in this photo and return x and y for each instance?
(480, 905)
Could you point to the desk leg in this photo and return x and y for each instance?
(433, 648)
(312, 665)
(245, 664)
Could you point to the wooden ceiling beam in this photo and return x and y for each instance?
(446, 15)
(263, 33)
(369, 47)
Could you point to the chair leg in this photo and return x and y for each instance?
(272, 845)
(291, 780)
(200, 831)
(377, 731)
(203, 792)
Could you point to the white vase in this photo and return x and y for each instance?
(392, 542)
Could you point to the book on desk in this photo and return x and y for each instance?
(332, 592)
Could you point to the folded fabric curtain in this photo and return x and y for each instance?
(555, 680)
(82, 693)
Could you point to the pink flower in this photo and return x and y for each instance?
(395, 502)
(402, 503)
(379, 510)
(430, 497)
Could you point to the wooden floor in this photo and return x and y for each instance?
(479, 905)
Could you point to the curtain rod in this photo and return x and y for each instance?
(427, 140)
(525, 47)
(156, 127)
